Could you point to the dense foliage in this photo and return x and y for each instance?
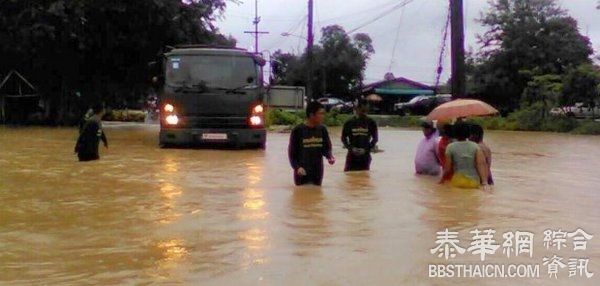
(78, 51)
(525, 40)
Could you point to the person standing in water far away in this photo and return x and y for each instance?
(466, 160)
(426, 159)
(90, 135)
(477, 137)
(359, 136)
(309, 143)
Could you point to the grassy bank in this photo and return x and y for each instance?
(125, 115)
(523, 120)
(291, 118)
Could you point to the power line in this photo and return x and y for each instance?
(380, 16)
(440, 67)
(301, 38)
(363, 11)
(316, 8)
(291, 30)
(395, 43)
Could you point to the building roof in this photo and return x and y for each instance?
(411, 84)
(16, 85)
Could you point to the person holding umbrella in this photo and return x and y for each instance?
(466, 161)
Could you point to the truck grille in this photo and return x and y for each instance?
(214, 122)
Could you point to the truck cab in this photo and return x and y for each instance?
(212, 96)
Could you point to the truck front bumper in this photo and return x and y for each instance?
(234, 137)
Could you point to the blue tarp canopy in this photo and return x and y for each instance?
(389, 91)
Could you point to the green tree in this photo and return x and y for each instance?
(99, 49)
(287, 69)
(524, 38)
(582, 84)
(544, 89)
(339, 63)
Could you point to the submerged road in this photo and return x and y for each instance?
(144, 215)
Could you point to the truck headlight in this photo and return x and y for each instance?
(172, 120)
(258, 109)
(169, 108)
(256, 120)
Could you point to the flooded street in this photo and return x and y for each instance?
(144, 215)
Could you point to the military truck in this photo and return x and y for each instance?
(212, 95)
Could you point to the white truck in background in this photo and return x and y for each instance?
(286, 97)
(579, 110)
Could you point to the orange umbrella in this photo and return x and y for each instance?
(374, 97)
(461, 108)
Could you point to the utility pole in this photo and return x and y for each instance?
(309, 51)
(458, 49)
(256, 32)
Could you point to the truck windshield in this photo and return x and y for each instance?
(211, 71)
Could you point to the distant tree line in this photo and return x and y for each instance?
(338, 66)
(532, 58)
(80, 51)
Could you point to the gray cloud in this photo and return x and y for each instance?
(418, 26)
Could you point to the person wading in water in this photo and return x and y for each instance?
(426, 158)
(359, 136)
(466, 161)
(90, 135)
(309, 143)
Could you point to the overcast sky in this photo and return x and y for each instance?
(418, 25)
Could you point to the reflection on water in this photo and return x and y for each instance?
(307, 222)
(254, 213)
(144, 215)
(454, 208)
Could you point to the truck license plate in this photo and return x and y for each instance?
(214, 136)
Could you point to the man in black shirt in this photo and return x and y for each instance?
(359, 136)
(90, 135)
(309, 143)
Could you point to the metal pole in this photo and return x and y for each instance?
(2, 109)
(256, 21)
(309, 50)
(458, 49)
(256, 32)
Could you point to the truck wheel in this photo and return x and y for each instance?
(163, 145)
(262, 145)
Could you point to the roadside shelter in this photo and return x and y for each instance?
(393, 90)
(18, 98)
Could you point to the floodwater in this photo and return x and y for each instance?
(143, 215)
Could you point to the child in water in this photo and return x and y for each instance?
(309, 143)
(90, 135)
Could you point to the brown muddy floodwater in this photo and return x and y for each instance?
(143, 215)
